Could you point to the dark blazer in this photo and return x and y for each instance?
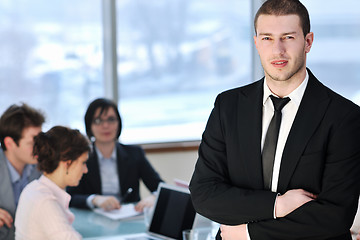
(7, 201)
(132, 167)
(321, 155)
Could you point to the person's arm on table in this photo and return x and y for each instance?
(146, 202)
(107, 203)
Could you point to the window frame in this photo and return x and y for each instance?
(111, 79)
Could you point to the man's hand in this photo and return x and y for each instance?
(146, 202)
(292, 200)
(5, 218)
(107, 203)
(237, 232)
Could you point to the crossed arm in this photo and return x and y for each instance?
(227, 189)
(284, 205)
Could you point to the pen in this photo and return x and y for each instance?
(123, 198)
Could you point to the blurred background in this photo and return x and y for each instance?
(172, 58)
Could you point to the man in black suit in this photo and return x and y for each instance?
(313, 188)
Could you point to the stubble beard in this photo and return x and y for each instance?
(282, 77)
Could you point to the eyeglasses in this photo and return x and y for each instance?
(110, 120)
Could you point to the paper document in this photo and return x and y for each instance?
(181, 183)
(126, 211)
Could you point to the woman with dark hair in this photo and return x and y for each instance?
(115, 169)
(43, 211)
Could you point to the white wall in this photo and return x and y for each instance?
(172, 165)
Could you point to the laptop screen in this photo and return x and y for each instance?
(173, 212)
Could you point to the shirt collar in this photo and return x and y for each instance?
(14, 175)
(295, 95)
(101, 157)
(61, 195)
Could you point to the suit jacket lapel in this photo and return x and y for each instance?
(311, 110)
(250, 128)
(35, 174)
(122, 162)
(6, 191)
(94, 171)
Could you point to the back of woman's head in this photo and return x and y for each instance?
(58, 144)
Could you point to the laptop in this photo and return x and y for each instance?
(173, 213)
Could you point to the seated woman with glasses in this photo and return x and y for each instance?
(115, 169)
(43, 209)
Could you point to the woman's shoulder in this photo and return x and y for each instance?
(34, 200)
(131, 152)
(36, 192)
(129, 147)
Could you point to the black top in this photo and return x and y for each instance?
(132, 167)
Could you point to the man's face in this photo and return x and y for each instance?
(24, 152)
(282, 47)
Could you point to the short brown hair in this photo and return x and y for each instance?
(285, 7)
(15, 119)
(58, 144)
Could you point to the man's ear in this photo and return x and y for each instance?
(9, 143)
(309, 39)
(255, 41)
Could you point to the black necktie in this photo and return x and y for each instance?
(268, 153)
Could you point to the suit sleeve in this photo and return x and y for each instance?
(79, 200)
(332, 213)
(216, 196)
(7, 233)
(213, 192)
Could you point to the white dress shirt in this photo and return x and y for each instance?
(288, 115)
(109, 174)
(43, 213)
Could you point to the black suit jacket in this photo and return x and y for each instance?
(132, 167)
(321, 155)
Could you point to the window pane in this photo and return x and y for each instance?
(334, 57)
(174, 58)
(51, 57)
